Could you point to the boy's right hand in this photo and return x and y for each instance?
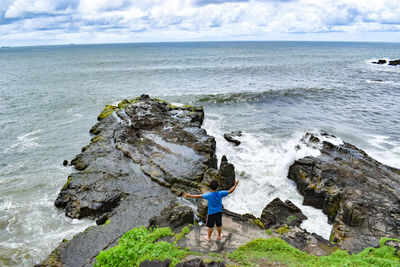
(237, 181)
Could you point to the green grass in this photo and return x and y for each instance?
(140, 244)
(273, 250)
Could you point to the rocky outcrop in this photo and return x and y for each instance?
(232, 137)
(360, 196)
(174, 215)
(308, 242)
(144, 135)
(278, 213)
(390, 62)
(144, 152)
(226, 174)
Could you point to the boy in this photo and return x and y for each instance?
(214, 199)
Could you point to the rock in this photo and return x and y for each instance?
(200, 263)
(226, 174)
(394, 62)
(237, 230)
(360, 195)
(230, 137)
(390, 62)
(148, 263)
(65, 162)
(143, 154)
(174, 215)
(310, 243)
(380, 61)
(278, 213)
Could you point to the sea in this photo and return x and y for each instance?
(273, 92)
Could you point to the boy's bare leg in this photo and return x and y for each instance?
(208, 238)
(219, 229)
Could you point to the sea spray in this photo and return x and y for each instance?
(262, 162)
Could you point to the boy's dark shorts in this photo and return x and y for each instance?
(213, 219)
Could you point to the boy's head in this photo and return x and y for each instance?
(214, 185)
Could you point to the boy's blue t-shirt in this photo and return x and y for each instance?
(214, 201)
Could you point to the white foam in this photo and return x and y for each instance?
(25, 142)
(384, 150)
(262, 162)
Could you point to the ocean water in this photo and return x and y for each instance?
(274, 92)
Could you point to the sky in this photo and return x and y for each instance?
(46, 22)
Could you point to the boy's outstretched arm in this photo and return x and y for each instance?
(233, 187)
(189, 195)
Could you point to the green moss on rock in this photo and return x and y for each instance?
(107, 111)
(67, 183)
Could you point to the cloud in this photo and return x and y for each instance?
(179, 20)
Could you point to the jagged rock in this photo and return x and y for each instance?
(390, 62)
(226, 174)
(200, 263)
(394, 62)
(230, 137)
(360, 196)
(380, 61)
(310, 243)
(278, 213)
(141, 135)
(142, 153)
(174, 216)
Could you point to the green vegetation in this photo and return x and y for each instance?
(185, 230)
(283, 229)
(67, 183)
(258, 222)
(107, 111)
(268, 231)
(291, 218)
(140, 244)
(270, 251)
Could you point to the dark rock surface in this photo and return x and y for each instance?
(200, 263)
(307, 242)
(148, 263)
(226, 174)
(360, 196)
(174, 215)
(278, 213)
(390, 62)
(232, 137)
(144, 152)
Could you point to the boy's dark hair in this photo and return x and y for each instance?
(214, 185)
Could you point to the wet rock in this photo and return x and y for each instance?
(65, 162)
(232, 137)
(390, 62)
(156, 263)
(278, 213)
(143, 153)
(200, 263)
(360, 195)
(226, 174)
(380, 61)
(174, 215)
(310, 243)
(394, 62)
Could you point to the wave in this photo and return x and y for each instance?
(266, 96)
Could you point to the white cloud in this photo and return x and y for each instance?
(168, 20)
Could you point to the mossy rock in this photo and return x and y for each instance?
(107, 111)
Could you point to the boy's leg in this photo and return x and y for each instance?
(219, 225)
(210, 230)
(219, 229)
